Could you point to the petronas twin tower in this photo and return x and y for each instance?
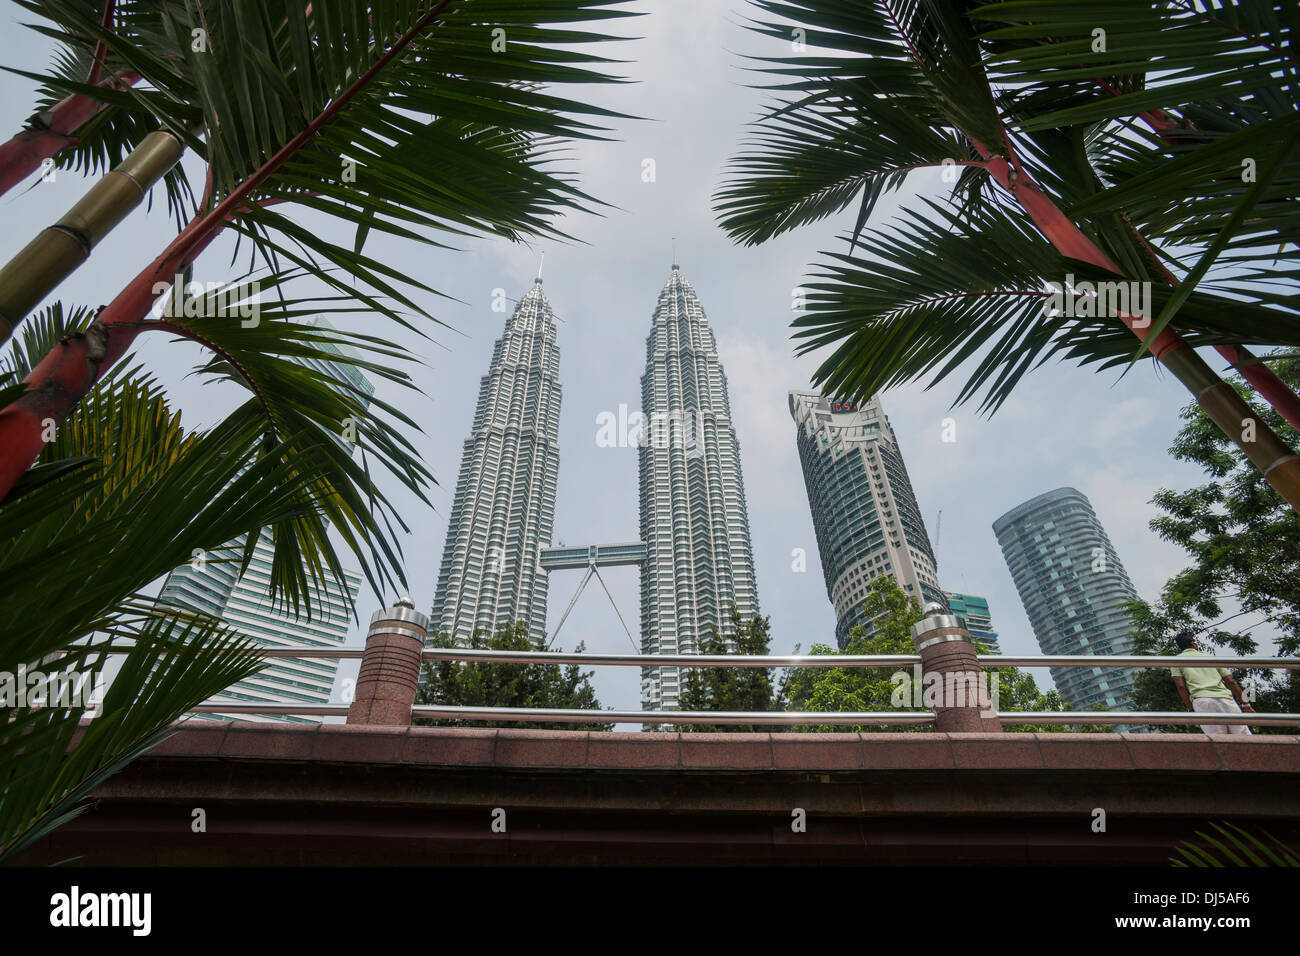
(504, 507)
(693, 517)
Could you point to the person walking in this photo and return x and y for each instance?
(1209, 689)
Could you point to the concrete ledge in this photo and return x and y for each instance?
(295, 794)
(558, 749)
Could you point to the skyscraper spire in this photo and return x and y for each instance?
(540, 262)
(675, 252)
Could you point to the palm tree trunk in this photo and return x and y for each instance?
(50, 132)
(57, 251)
(1265, 381)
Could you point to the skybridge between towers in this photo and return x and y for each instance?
(592, 557)
(564, 557)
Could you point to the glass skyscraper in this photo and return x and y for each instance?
(504, 508)
(1073, 587)
(693, 515)
(972, 613)
(213, 585)
(864, 511)
(243, 602)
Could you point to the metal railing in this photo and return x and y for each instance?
(781, 718)
(468, 655)
(771, 718)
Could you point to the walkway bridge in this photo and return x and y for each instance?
(380, 790)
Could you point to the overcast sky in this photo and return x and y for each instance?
(1098, 432)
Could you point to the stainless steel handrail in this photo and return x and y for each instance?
(769, 718)
(782, 718)
(468, 655)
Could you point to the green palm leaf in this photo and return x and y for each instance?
(939, 290)
(1237, 847)
(51, 758)
(450, 136)
(121, 478)
(1130, 140)
(145, 487)
(314, 422)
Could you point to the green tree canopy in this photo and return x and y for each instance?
(506, 685)
(869, 689)
(1244, 545)
(733, 689)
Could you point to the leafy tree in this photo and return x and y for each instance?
(1244, 543)
(732, 688)
(892, 613)
(1018, 691)
(506, 685)
(865, 689)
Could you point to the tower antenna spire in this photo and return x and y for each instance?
(674, 252)
(540, 262)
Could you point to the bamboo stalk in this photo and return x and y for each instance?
(59, 249)
(1264, 381)
(1220, 401)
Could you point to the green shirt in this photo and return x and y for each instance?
(1202, 681)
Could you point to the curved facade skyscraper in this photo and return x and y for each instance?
(504, 507)
(1073, 587)
(864, 511)
(216, 587)
(693, 516)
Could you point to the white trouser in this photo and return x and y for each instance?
(1219, 705)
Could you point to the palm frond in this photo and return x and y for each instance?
(939, 289)
(52, 757)
(1237, 847)
(316, 415)
(237, 80)
(148, 490)
(890, 98)
(1121, 132)
(1190, 53)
